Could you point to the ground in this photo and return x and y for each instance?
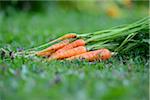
(115, 79)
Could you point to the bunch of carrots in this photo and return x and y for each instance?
(100, 45)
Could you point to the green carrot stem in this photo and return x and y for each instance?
(128, 38)
(115, 34)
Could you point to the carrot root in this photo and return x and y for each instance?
(101, 54)
(53, 48)
(69, 53)
(72, 45)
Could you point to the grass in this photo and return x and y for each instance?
(119, 78)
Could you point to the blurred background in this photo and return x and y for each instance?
(56, 18)
(112, 8)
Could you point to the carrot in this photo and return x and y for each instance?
(43, 54)
(79, 42)
(101, 54)
(69, 53)
(53, 48)
(67, 36)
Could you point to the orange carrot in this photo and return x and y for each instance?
(79, 42)
(101, 54)
(69, 53)
(43, 54)
(53, 48)
(67, 36)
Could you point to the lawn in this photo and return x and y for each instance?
(120, 78)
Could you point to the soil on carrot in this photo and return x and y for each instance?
(119, 78)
